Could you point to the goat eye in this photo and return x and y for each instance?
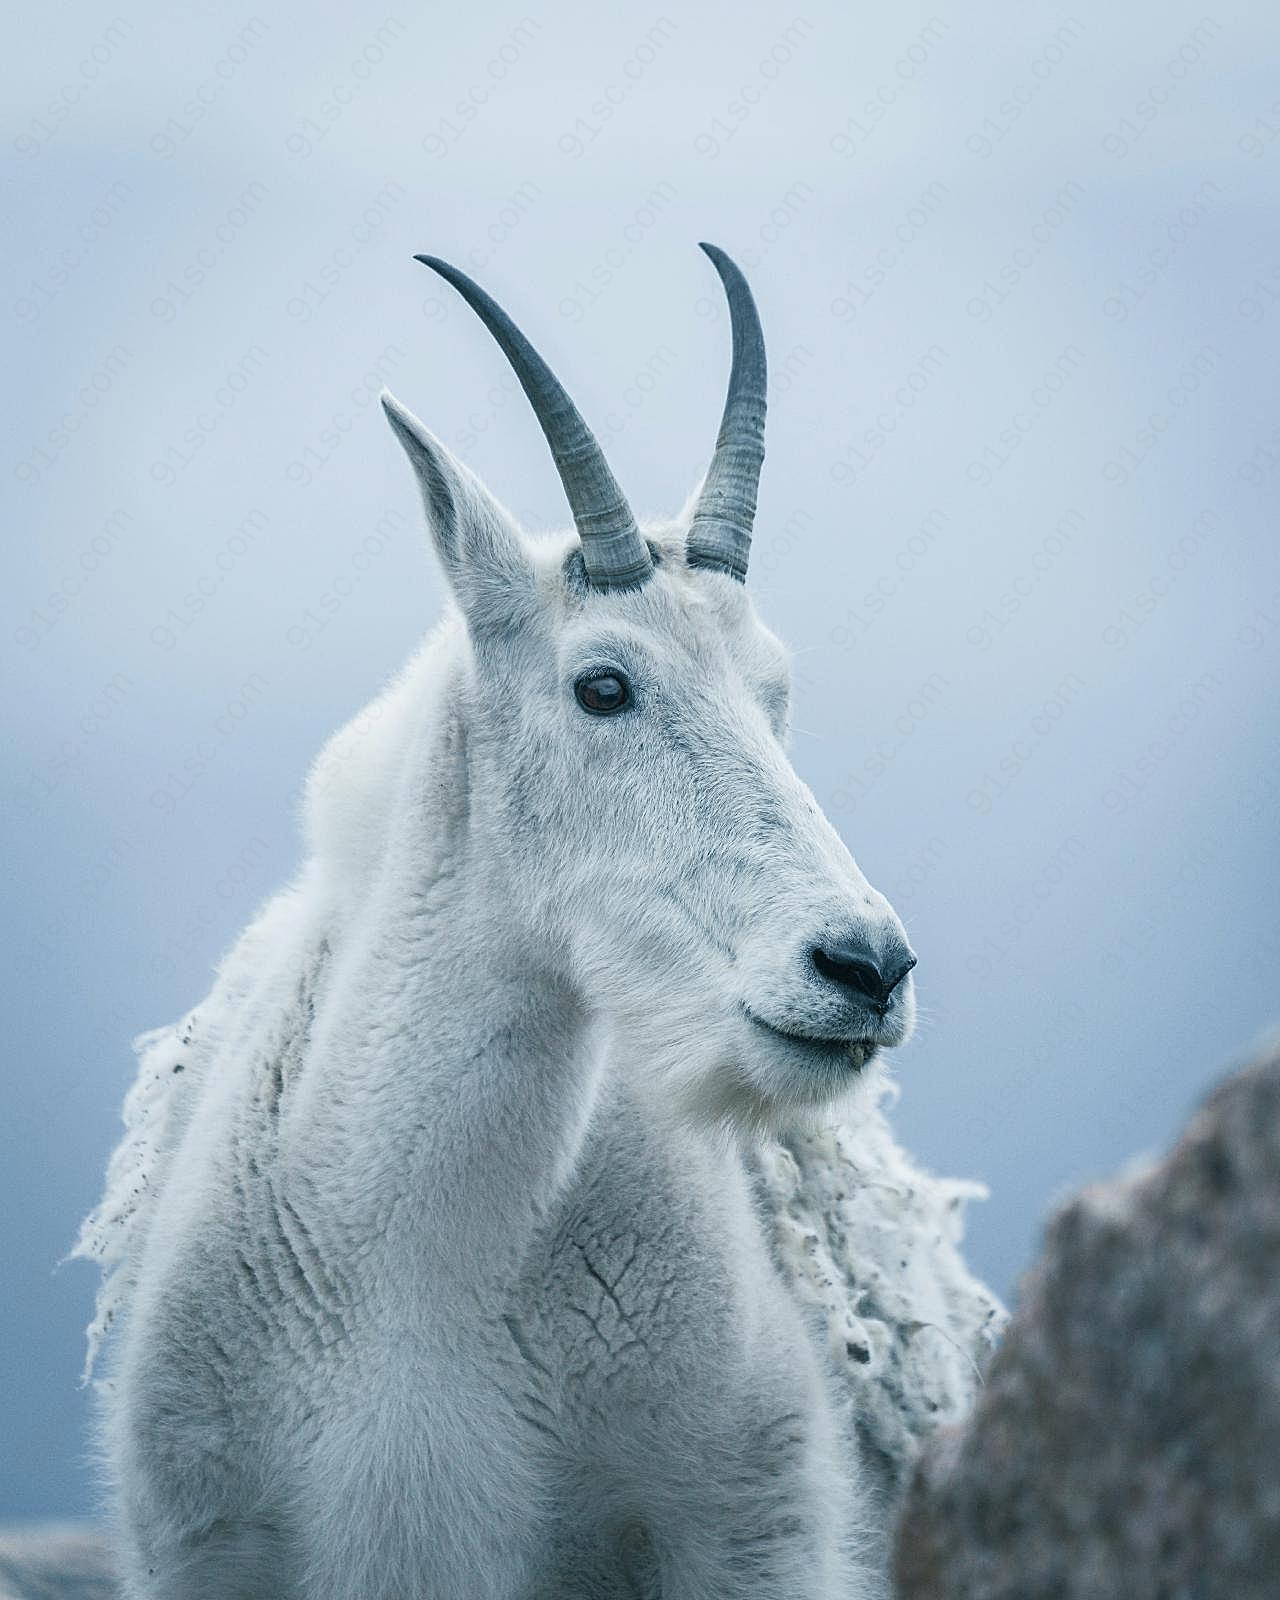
(603, 694)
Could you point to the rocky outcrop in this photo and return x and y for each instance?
(1127, 1441)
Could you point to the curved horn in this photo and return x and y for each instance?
(613, 551)
(720, 531)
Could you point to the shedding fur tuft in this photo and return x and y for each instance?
(112, 1232)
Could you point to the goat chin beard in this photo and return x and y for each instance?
(731, 1079)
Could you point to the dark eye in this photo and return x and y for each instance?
(603, 694)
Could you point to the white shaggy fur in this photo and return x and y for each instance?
(471, 1239)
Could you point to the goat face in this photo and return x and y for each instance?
(625, 717)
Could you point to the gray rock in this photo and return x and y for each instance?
(1127, 1442)
(54, 1561)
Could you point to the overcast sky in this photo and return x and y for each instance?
(1020, 278)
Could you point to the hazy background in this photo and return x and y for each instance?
(1020, 276)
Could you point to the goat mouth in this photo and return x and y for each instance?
(854, 1053)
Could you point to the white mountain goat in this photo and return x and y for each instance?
(481, 1235)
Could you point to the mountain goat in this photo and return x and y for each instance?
(483, 1233)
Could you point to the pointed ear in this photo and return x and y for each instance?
(475, 536)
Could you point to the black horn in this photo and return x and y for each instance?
(720, 532)
(613, 551)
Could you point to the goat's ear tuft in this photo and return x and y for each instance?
(476, 538)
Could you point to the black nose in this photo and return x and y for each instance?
(852, 967)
